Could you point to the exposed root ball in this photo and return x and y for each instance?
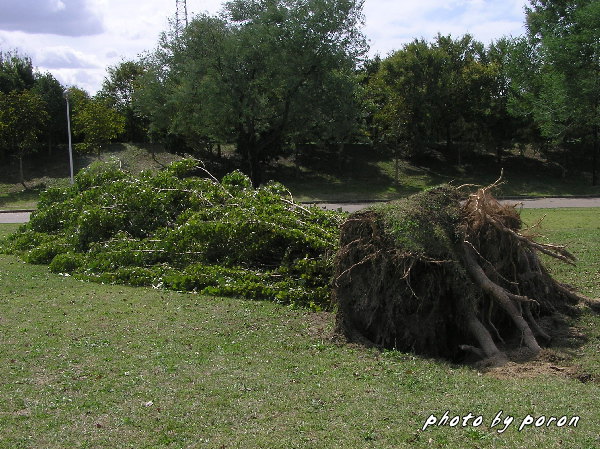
(443, 276)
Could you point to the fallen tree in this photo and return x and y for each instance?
(442, 273)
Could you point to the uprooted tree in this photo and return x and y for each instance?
(442, 275)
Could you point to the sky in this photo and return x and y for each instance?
(76, 40)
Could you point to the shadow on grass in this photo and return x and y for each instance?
(354, 176)
(368, 183)
(21, 199)
(372, 177)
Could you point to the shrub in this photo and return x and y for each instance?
(66, 262)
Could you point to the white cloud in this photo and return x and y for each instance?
(65, 57)
(392, 23)
(87, 79)
(65, 18)
(58, 5)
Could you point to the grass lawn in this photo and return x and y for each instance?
(15, 197)
(101, 366)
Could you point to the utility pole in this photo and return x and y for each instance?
(69, 131)
(181, 19)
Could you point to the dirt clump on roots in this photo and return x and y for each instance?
(447, 274)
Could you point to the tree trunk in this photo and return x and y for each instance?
(247, 146)
(255, 169)
(21, 174)
(596, 150)
(483, 337)
(340, 158)
(396, 167)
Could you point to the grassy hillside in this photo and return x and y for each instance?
(91, 366)
(364, 176)
(368, 177)
(49, 173)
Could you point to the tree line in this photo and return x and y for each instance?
(33, 114)
(271, 75)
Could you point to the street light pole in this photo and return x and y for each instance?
(69, 131)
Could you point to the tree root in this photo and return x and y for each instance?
(473, 284)
(484, 338)
(501, 296)
(534, 324)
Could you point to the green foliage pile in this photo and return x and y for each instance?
(424, 224)
(182, 232)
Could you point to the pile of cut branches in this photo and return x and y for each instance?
(444, 275)
(184, 230)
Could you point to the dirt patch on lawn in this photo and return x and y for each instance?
(549, 362)
(560, 359)
(321, 325)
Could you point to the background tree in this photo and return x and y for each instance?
(117, 89)
(22, 117)
(500, 129)
(401, 92)
(460, 95)
(97, 123)
(78, 99)
(261, 74)
(52, 94)
(556, 75)
(433, 93)
(16, 72)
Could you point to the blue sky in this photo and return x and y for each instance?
(77, 39)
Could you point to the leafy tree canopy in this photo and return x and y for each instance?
(52, 94)
(556, 73)
(118, 88)
(260, 74)
(120, 83)
(22, 116)
(97, 123)
(449, 90)
(16, 72)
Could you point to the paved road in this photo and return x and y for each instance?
(14, 217)
(538, 203)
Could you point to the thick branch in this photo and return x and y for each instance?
(500, 295)
(534, 324)
(558, 252)
(483, 337)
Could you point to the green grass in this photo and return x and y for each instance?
(369, 178)
(13, 197)
(98, 366)
(7, 229)
(579, 230)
